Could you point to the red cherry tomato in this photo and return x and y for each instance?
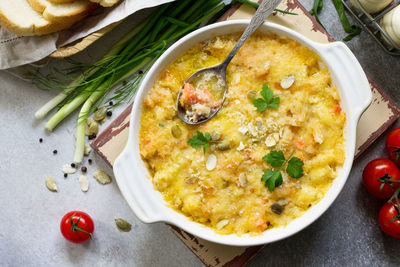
(381, 177)
(393, 145)
(389, 219)
(77, 226)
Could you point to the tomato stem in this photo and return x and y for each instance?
(75, 228)
(386, 179)
(396, 206)
(397, 151)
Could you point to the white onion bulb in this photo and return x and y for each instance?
(372, 6)
(391, 24)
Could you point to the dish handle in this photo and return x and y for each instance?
(131, 189)
(352, 76)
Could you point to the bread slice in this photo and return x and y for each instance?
(63, 12)
(18, 17)
(105, 3)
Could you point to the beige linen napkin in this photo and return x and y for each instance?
(16, 51)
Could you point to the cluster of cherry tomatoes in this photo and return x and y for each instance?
(381, 177)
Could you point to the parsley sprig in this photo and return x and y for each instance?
(273, 178)
(267, 100)
(200, 140)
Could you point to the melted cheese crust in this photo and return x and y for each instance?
(231, 198)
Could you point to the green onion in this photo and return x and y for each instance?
(352, 30)
(136, 51)
(317, 7)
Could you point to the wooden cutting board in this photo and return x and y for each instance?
(376, 119)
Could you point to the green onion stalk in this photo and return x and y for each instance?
(136, 50)
(141, 46)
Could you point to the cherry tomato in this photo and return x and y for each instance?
(381, 177)
(77, 226)
(389, 219)
(393, 145)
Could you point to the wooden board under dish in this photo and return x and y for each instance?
(378, 117)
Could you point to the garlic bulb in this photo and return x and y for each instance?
(391, 24)
(372, 6)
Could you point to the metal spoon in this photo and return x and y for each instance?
(263, 11)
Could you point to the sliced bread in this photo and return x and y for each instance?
(63, 12)
(17, 16)
(106, 3)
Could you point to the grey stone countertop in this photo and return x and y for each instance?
(347, 234)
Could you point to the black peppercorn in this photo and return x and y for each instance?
(140, 72)
(109, 113)
(65, 175)
(55, 151)
(90, 161)
(73, 165)
(41, 140)
(111, 103)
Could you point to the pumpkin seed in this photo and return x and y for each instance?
(251, 94)
(102, 177)
(84, 183)
(67, 168)
(215, 136)
(242, 179)
(100, 114)
(224, 145)
(270, 141)
(221, 224)
(276, 208)
(123, 225)
(191, 179)
(259, 125)
(91, 127)
(87, 150)
(51, 184)
(288, 81)
(176, 131)
(211, 162)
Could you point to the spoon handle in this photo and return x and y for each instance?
(263, 11)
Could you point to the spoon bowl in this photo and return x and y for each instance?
(263, 11)
(220, 72)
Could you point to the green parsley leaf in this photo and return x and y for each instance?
(275, 102)
(260, 104)
(272, 179)
(200, 140)
(266, 93)
(275, 158)
(295, 167)
(268, 99)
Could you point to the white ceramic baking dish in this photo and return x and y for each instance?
(133, 177)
